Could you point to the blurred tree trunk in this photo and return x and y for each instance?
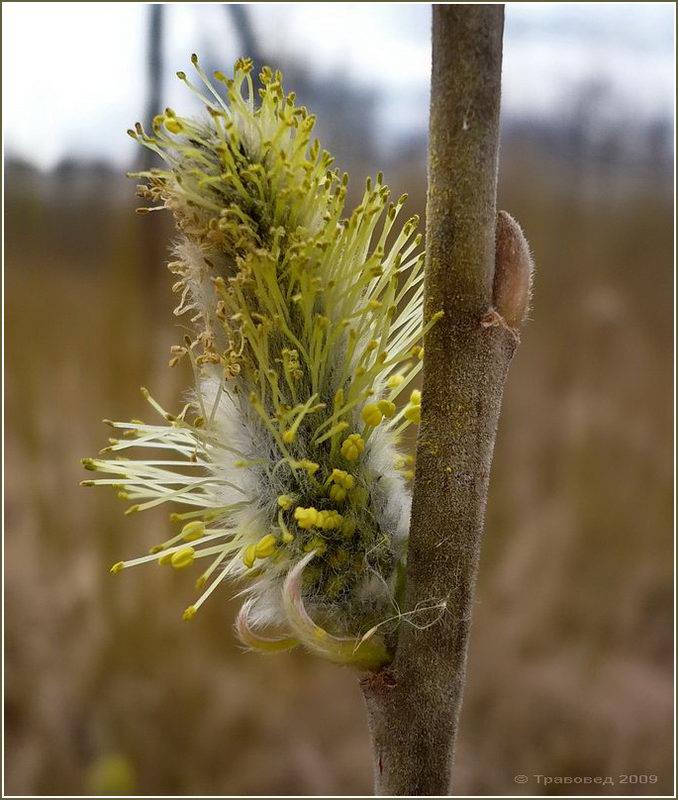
(248, 41)
(413, 705)
(152, 243)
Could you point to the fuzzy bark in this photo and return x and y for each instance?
(413, 705)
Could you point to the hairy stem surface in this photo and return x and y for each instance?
(413, 705)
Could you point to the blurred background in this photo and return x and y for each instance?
(107, 690)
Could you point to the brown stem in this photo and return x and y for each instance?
(413, 706)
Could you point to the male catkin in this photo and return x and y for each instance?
(307, 328)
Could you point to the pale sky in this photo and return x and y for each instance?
(73, 73)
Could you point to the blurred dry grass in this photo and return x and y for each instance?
(570, 668)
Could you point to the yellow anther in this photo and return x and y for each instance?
(337, 493)
(348, 527)
(193, 530)
(415, 397)
(288, 436)
(265, 547)
(342, 477)
(387, 408)
(200, 583)
(413, 414)
(338, 476)
(371, 414)
(375, 305)
(165, 559)
(352, 446)
(310, 466)
(285, 502)
(249, 556)
(173, 125)
(371, 345)
(183, 558)
(417, 352)
(328, 520)
(395, 380)
(189, 613)
(305, 517)
(408, 474)
(117, 567)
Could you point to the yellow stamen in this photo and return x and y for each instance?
(352, 447)
(250, 556)
(265, 547)
(183, 558)
(193, 530)
(371, 414)
(387, 408)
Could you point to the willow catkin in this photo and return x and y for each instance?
(307, 328)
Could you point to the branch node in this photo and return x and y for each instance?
(379, 682)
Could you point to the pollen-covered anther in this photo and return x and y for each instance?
(337, 493)
(412, 413)
(174, 125)
(305, 517)
(266, 546)
(193, 530)
(387, 408)
(249, 556)
(328, 520)
(285, 502)
(395, 380)
(371, 414)
(183, 558)
(342, 478)
(118, 567)
(189, 613)
(352, 447)
(311, 467)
